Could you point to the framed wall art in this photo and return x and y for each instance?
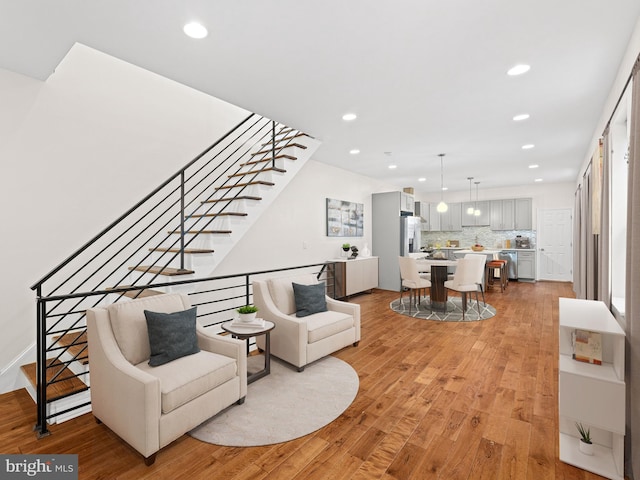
(344, 219)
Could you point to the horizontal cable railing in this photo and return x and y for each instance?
(150, 239)
(216, 299)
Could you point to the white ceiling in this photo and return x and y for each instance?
(424, 76)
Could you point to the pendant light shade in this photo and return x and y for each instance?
(470, 210)
(477, 211)
(442, 207)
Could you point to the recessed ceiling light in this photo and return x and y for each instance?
(195, 30)
(528, 146)
(349, 116)
(393, 166)
(444, 189)
(534, 166)
(522, 116)
(354, 151)
(518, 69)
(422, 179)
(538, 180)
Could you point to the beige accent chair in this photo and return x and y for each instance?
(149, 407)
(302, 340)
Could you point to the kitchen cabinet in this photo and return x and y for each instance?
(449, 221)
(526, 266)
(434, 218)
(356, 276)
(590, 394)
(423, 210)
(502, 214)
(407, 203)
(523, 214)
(473, 220)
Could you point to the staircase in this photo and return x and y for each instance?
(177, 234)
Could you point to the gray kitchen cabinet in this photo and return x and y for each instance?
(407, 202)
(526, 266)
(523, 214)
(473, 220)
(423, 210)
(502, 214)
(449, 221)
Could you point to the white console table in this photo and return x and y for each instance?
(355, 276)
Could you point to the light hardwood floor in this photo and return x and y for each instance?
(437, 400)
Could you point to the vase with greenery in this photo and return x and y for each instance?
(586, 445)
(247, 313)
(346, 247)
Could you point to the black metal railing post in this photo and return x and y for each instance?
(182, 232)
(273, 144)
(41, 367)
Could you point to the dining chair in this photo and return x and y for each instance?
(465, 280)
(411, 279)
(480, 263)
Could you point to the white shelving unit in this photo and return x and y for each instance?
(593, 395)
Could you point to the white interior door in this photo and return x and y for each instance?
(555, 250)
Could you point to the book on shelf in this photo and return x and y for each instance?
(587, 346)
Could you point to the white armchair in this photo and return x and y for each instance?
(302, 340)
(149, 407)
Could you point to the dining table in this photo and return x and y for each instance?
(439, 275)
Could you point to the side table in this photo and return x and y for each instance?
(245, 332)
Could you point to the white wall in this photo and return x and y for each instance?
(77, 151)
(293, 231)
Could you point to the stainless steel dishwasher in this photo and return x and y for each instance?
(511, 256)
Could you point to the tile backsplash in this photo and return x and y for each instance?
(484, 235)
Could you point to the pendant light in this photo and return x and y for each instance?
(442, 207)
(470, 210)
(476, 211)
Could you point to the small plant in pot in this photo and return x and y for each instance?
(247, 313)
(346, 247)
(586, 445)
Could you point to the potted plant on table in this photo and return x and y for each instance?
(586, 445)
(247, 313)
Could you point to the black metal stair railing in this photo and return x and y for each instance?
(132, 252)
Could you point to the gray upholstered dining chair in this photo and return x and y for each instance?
(411, 279)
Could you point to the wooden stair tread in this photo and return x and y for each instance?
(206, 232)
(256, 172)
(79, 348)
(265, 160)
(290, 145)
(228, 199)
(220, 214)
(59, 389)
(239, 185)
(284, 139)
(147, 292)
(186, 250)
(167, 271)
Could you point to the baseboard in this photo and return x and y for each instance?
(11, 377)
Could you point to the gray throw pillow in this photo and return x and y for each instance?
(309, 299)
(171, 335)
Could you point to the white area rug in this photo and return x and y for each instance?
(284, 405)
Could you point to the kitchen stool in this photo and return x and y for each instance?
(490, 268)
